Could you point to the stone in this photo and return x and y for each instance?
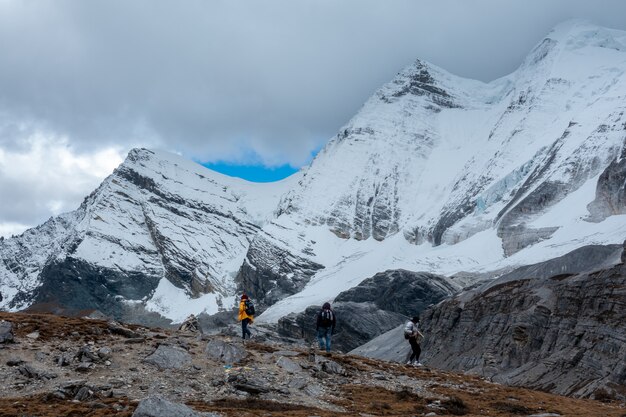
(331, 367)
(83, 394)
(63, 360)
(85, 354)
(169, 357)
(117, 328)
(288, 365)
(104, 353)
(298, 382)
(221, 351)
(286, 353)
(84, 367)
(33, 335)
(15, 362)
(40, 357)
(32, 373)
(253, 386)
(6, 332)
(156, 406)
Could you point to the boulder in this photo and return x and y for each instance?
(6, 332)
(400, 291)
(169, 357)
(156, 406)
(288, 365)
(221, 351)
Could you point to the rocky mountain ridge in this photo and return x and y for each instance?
(556, 326)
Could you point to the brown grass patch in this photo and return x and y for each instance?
(257, 407)
(379, 401)
(40, 406)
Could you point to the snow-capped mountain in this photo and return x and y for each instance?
(158, 225)
(435, 173)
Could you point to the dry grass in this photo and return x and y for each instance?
(40, 406)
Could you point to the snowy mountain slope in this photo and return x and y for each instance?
(158, 222)
(480, 176)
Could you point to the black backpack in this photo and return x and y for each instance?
(249, 307)
(326, 318)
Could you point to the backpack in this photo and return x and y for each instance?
(249, 307)
(326, 319)
(408, 330)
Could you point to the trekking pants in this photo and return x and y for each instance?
(244, 328)
(415, 356)
(324, 333)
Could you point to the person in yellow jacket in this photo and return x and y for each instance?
(244, 317)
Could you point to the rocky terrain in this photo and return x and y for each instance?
(56, 366)
(558, 326)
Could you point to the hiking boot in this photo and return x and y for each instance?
(417, 364)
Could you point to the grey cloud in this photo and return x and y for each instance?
(218, 79)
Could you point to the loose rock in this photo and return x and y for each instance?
(169, 357)
(225, 352)
(6, 332)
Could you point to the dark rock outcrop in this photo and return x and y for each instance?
(270, 273)
(400, 291)
(610, 191)
(555, 326)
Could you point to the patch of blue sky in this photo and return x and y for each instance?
(255, 170)
(254, 173)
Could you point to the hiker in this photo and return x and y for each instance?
(325, 327)
(246, 315)
(412, 333)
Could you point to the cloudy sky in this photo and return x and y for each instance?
(231, 82)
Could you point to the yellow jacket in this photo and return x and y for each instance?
(242, 312)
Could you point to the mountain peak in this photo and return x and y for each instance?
(579, 33)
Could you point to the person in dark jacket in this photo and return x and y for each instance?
(325, 326)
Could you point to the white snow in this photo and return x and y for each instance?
(174, 303)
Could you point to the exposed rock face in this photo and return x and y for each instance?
(400, 291)
(356, 324)
(555, 326)
(611, 190)
(270, 273)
